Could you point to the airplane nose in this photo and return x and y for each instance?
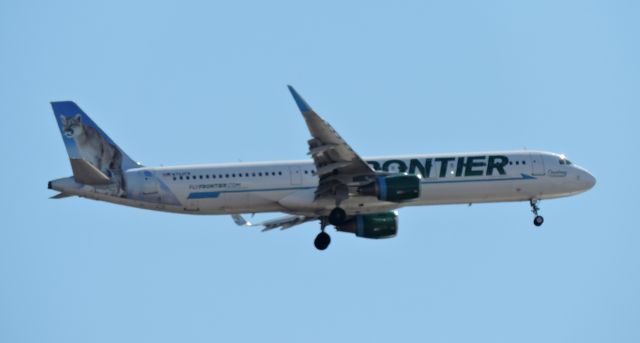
(588, 180)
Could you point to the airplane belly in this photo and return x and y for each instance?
(475, 192)
(300, 200)
(264, 201)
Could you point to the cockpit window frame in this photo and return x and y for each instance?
(564, 161)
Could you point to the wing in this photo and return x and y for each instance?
(336, 163)
(282, 223)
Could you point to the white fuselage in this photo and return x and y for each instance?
(290, 186)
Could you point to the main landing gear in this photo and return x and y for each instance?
(323, 239)
(538, 220)
(337, 216)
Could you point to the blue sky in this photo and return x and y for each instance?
(199, 82)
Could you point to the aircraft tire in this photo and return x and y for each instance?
(322, 241)
(538, 220)
(337, 216)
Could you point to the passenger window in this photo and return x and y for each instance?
(517, 162)
(226, 175)
(260, 174)
(524, 162)
(240, 175)
(253, 174)
(279, 173)
(273, 173)
(180, 177)
(174, 178)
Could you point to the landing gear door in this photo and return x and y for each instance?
(537, 164)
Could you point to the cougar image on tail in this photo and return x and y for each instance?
(95, 149)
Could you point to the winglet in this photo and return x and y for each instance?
(239, 220)
(302, 105)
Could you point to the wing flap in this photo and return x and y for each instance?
(329, 168)
(321, 148)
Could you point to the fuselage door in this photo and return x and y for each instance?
(148, 188)
(296, 175)
(149, 184)
(537, 164)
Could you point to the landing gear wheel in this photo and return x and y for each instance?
(322, 241)
(337, 216)
(538, 220)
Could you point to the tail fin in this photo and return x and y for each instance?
(95, 158)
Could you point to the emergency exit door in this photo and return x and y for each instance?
(537, 164)
(296, 175)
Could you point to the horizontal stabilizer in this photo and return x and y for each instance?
(86, 173)
(61, 196)
(239, 220)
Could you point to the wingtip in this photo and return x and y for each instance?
(239, 220)
(302, 105)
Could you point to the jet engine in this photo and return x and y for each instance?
(396, 188)
(376, 225)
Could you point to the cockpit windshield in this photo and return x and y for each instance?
(563, 160)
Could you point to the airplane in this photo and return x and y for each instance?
(336, 186)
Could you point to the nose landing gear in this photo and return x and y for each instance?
(538, 220)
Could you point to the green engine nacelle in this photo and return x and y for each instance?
(396, 188)
(377, 225)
